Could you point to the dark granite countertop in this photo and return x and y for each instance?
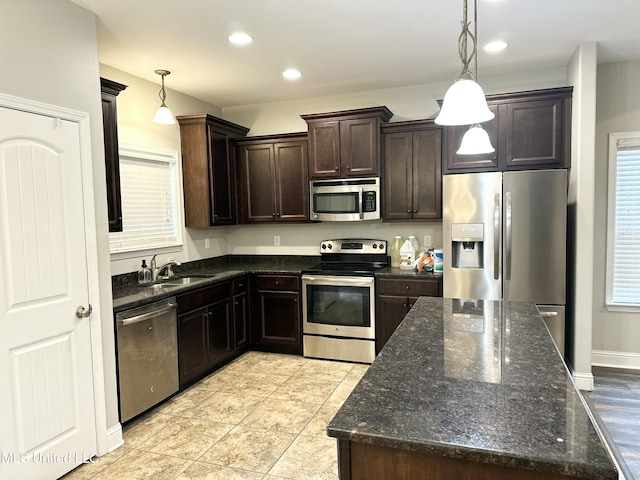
(476, 380)
(128, 294)
(390, 272)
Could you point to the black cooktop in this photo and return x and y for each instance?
(350, 257)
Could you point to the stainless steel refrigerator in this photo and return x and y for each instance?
(504, 236)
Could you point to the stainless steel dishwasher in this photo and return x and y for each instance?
(147, 356)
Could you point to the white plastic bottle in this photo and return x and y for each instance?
(395, 251)
(416, 245)
(407, 255)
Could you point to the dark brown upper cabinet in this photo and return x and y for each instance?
(345, 144)
(531, 130)
(412, 158)
(110, 91)
(208, 169)
(273, 180)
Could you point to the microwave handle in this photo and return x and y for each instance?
(360, 203)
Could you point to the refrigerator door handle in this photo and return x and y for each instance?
(496, 236)
(508, 233)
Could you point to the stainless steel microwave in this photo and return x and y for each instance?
(346, 200)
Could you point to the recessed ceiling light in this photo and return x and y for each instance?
(240, 38)
(291, 74)
(495, 46)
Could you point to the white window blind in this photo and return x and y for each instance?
(623, 232)
(149, 196)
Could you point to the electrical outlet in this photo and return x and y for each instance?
(427, 241)
(207, 244)
(276, 240)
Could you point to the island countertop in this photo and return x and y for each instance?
(479, 381)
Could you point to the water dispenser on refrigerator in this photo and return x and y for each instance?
(467, 243)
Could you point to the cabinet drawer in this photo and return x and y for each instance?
(239, 285)
(204, 296)
(277, 282)
(428, 287)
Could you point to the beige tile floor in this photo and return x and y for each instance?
(262, 417)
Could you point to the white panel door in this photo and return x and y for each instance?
(46, 399)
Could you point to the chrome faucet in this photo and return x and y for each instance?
(156, 271)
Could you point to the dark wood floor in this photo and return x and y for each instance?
(615, 401)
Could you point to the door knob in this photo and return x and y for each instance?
(82, 312)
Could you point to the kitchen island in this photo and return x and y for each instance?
(468, 390)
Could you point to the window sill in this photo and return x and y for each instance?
(140, 252)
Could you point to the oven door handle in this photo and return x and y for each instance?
(337, 280)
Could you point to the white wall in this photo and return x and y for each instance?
(581, 73)
(616, 335)
(49, 54)
(406, 103)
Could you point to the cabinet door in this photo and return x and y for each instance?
(398, 174)
(324, 149)
(276, 321)
(257, 179)
(391, 311)
(359, 147)
(535, 134)
(240, 330)
(110, 90)
(458, 163)
(292, 182)
(240, 307)
(219, 332)
(427, 175)
(221, 178)
(192, 344)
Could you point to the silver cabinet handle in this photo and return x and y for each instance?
(82, 312)
(508, 241)
(548, 314)
(496, 236)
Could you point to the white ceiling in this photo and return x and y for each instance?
(344, 46)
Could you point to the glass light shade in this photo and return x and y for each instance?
(163, 115)
(464, 104)
(475, 141)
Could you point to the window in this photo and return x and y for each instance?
(149, 190)
(623, 222)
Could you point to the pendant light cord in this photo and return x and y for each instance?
(162, 94)
(463, 38)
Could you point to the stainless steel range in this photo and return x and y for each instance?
(338, 300)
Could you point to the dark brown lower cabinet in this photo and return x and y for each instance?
(240, 313)
(275, 313)
(208, 330)
(360, 461)
(396, 296)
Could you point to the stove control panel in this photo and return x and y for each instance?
(359, 246)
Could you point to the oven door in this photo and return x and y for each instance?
(338, 306)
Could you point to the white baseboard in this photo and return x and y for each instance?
(584, 381)
(114, 438)
(603, 358)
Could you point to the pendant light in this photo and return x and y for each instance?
(465, 103)
(163, 114)
(475, 141)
